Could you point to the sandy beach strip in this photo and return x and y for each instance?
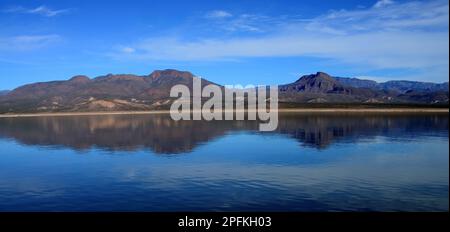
(294, 110)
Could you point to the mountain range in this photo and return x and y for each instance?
(149, 92)
(323, 88)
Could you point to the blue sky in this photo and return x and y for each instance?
(229, 42)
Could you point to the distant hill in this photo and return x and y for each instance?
(3, 92)
(148, 92)
(323, 88)
(401, 86)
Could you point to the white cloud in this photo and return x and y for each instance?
(218, 14)
(405, 16)
(40, 10)
(247, 23)
(410, 35)
(383, 3)
(128, 50)
(384, 50)
(27, 42)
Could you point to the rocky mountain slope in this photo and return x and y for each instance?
(103, 93)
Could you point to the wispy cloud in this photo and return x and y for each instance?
(383, 3)
(218, 14)
(40, 10)
(128, 50)
(386, 35)
(246, 22)
(27, 42)
(428, 15)
(363, 49)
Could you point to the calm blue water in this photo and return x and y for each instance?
(312, 162)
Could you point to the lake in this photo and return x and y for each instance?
(312, 162)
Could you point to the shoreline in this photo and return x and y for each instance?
(286, 110)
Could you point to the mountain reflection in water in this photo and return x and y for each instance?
(163, 135)
(312, 162)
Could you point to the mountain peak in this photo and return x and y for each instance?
(170, 73)
(322, 74)
(79, 79)
(319, 76)
(316, 83)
